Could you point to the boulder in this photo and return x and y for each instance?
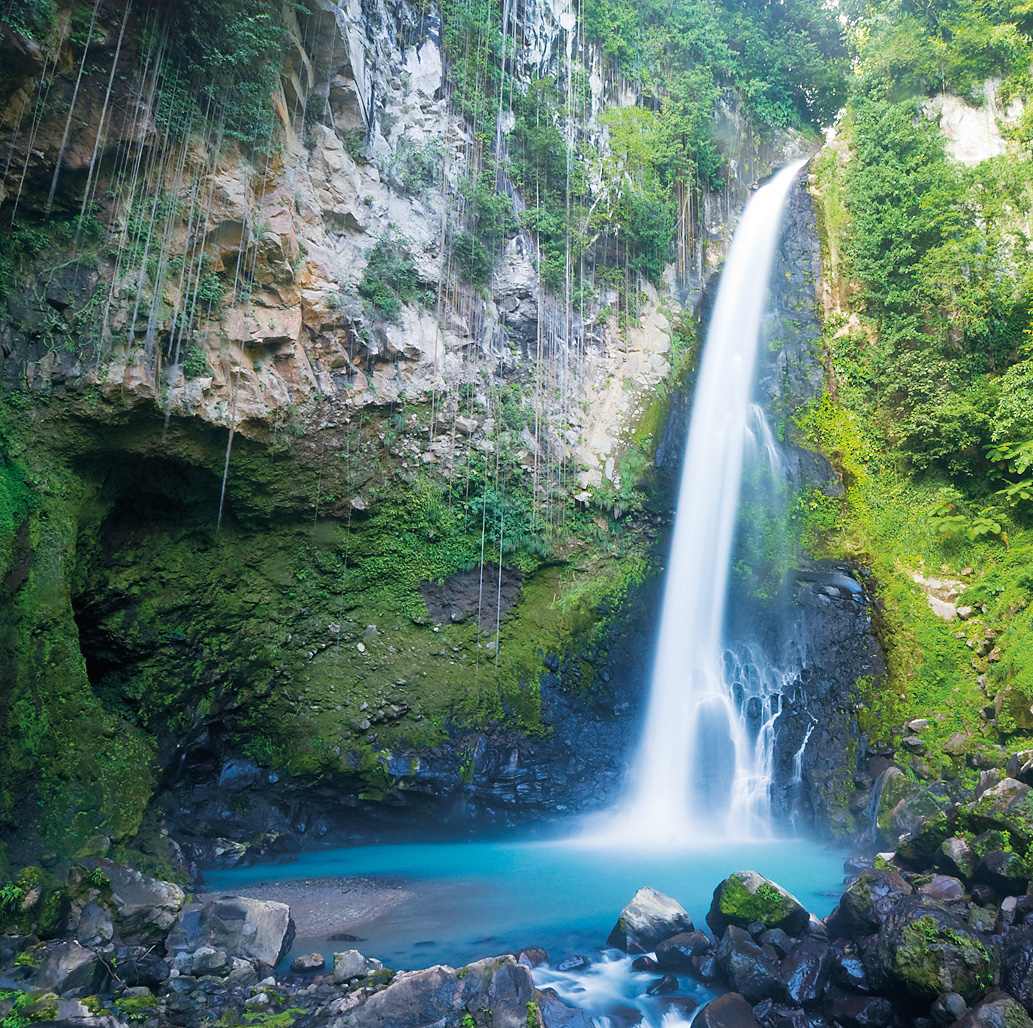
(1017, 965)
(1006, 871)
(849, 972)
(257, 930)
(750, 971)
(676, 953)
(866, 903)
(554, 1013)
(444, 996)
(947, 1009)
(924, 950)
(144, 909)
(728, 1011)
(308, 964)
(352, 964)
(943, 888)
(997, 1010)
(806, 971)
(649, 918)
(860, 1011)
(141, 966)
(67, 966)
(746, 897)
(956, 857)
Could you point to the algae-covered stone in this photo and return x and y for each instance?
(649, 918)
(925, 950)
(745, 898)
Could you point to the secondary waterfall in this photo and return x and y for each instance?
(705, 759)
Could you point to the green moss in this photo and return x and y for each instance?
(741, 906)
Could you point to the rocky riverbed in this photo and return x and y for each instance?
(938, 932)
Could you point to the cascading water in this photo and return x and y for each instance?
(705, 759)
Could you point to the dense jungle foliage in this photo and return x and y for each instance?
(929, 410)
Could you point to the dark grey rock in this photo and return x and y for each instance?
(749, 970)
(676, 953)
(860, 1011)
(68, 967)
(728, 1011)
(806, 971)
(866, 903)
(947, 1009)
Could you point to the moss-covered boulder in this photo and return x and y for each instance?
(34, 903)
(924, 950)
(746, 897)
(1006, 807)
(867, 902)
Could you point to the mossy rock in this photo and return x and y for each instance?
(1006, 808)
(925, 951)
(746, 897)
(39, 905)
(920, 846)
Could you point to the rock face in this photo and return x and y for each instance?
(650, 918)
(257, 930)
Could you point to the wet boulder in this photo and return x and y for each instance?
(924, 950)
(648, 919)
(746, 898)
(1017, 965)
(750, 971)
(806, 971)
(866, 903)
(997, 1010)
(848, 971)
(257, 930)
(728, 1011)
(676, 953)
(859, 1011)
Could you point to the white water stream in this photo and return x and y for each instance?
(705, 760)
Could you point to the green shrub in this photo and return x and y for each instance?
(389, 279)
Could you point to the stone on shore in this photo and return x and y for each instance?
(260, 931)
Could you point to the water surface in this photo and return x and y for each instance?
(461, 901)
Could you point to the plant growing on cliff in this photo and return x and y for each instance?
(389, 279)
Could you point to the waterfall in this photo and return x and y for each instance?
(704, 766)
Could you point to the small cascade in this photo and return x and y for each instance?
(704, 768)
